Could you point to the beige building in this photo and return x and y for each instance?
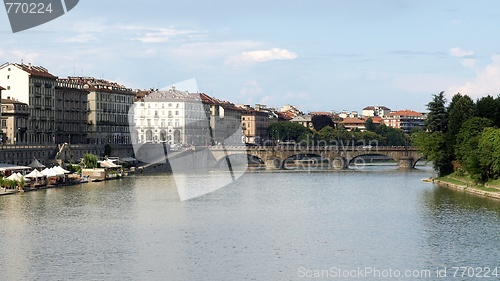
(405, 120)
(34, 86)
(71, 112)
(225, 121)
(304, 120)
(255, 122)
(15, 116)
(108, 106)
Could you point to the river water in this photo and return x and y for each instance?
(265, 226)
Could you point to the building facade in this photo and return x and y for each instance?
(255, 123)
(405, 120)
(71, 113)
(34, 86)
(15, 115)
(373, 111)
(108, 106)
(225, 121)
(305, 120)
(171, 116)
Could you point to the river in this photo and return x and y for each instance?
(265, 226)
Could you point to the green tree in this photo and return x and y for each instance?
(437, 119)
(487, 107)
(393, 136)
(90, 161)
(321, 121)
(369, 125)
(461, 108)
(489, 154)
(287, 131)
(433, 147)
(467, 141)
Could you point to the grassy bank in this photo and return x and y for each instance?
(465, 183)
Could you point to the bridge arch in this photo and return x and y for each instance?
(241, 160)
(378, 157)
(418, 159)
(306, 161)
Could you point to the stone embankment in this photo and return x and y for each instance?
(491, 192)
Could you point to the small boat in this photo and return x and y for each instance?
(427, 180)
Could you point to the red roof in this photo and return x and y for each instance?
(353, 121)
(213, 101)
(320, 113)
(405, 112)
(35, 70)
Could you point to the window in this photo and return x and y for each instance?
(8, 87)
(4, 123)
(8, 76)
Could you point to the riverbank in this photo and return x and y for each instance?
(464, 183)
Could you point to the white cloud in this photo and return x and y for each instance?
(486, 81)
(26, 56)
(82, 38)
(422, 82)
(196, 54)
(457, 52)
(159, 35)
(263, 56)
(250, 89)
(469, 62)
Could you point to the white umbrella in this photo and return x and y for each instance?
(35, 174)
(60, 170)
(21, 176)
(49, 172)
(14, 177)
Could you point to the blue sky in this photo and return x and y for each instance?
(319, 55)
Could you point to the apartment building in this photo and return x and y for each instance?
(34, 86)
(255, 121)
(171, 116)
(71, 112)
(304, 120)
(373, 111)
(15, 116)
(108, 106)
(225, 121)
(405, 120)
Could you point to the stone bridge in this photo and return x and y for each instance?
(333, 157)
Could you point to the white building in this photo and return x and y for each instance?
(34, 86)
(372, 111)
(345, 114)
(171, 116)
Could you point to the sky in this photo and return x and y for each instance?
(319, 55)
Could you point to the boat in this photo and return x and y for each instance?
(427, 180)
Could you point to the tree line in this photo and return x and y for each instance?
(462, 136)
(324, 131)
